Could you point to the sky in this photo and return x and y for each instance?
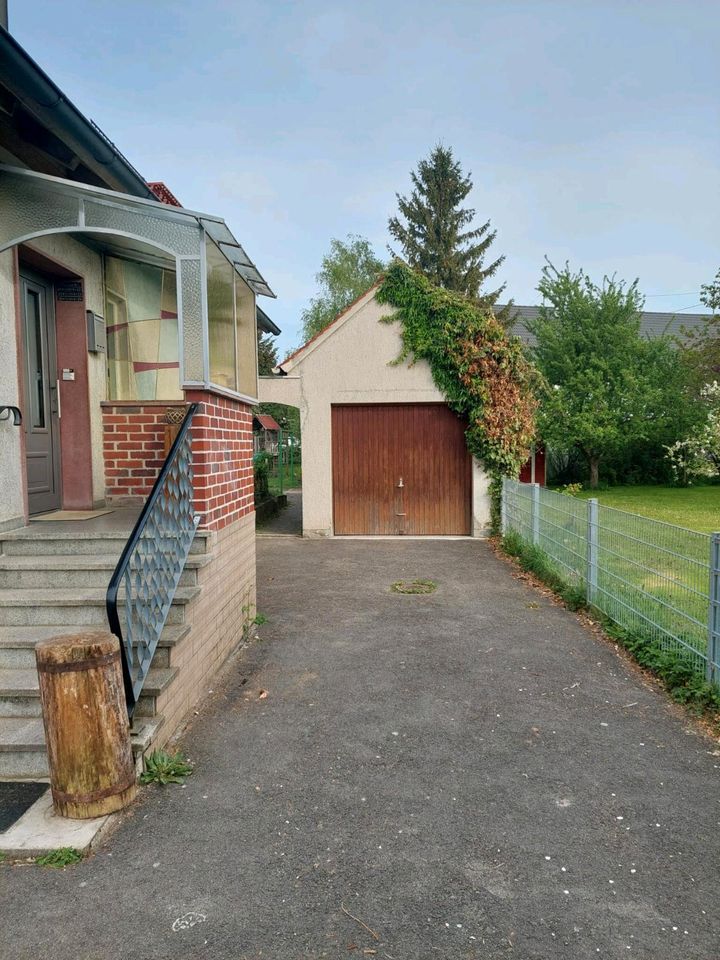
(591, 128)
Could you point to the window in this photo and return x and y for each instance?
(231, 326)
(221, 318)
(142, 331)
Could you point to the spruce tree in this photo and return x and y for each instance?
(432, 230)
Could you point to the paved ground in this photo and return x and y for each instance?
(288, 522)
(471, 774)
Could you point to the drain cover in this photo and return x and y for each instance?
(414, 586)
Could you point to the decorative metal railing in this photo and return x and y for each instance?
(152, 562)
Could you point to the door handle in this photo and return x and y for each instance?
(57, 399)
(401, 484)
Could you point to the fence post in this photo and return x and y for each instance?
(503, 507)
(713, 644)
(535, 513)
(280, 459)
(592, 550)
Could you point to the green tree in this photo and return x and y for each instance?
(266, 353)
(347, 271)
(434, 230)
(607, 387)
(702, 345)
(710, 294)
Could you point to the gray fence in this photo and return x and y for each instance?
(641, 573)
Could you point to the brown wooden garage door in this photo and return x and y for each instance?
(400, 469)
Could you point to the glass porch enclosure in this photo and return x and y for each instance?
(179, 288)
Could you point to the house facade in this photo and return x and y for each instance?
(120, 311)
(383, 454)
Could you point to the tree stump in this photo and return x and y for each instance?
(92, 772)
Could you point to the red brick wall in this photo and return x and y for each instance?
(133, 442)
(133, 447)
(222, 459)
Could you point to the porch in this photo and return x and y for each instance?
(123, 318)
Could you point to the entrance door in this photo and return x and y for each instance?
(400, 469)
(41, 415)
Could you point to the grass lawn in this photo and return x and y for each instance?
(697, 508)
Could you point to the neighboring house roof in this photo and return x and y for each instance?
(267, 422)
(40, 128)
(163, 193)
(652, 323)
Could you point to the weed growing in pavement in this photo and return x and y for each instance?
(62, 857)
(162, 767)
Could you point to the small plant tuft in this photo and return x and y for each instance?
(62, 857)
(571, 489)
(163, 768)
(414, 586)
(259, 619)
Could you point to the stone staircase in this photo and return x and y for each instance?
(52, 582)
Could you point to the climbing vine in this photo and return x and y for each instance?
(482, 372)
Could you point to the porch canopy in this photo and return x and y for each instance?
(213, 283)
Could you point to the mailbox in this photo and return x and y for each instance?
(97, 339)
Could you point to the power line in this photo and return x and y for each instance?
(650, 296)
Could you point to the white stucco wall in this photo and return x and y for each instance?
(352, 362)
(88, 264)
(11, 502)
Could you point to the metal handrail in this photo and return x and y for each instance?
(152, 562)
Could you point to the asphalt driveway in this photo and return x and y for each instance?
(468, 774)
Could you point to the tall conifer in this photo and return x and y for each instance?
(432, 230)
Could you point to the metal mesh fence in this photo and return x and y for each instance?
(643, 574)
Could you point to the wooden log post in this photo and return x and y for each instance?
(92, 772)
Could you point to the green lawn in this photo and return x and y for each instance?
(291, 478)
(697, 508)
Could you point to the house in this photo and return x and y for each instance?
(125, 319)
(652, 323)
(383, 454)
(266, 431)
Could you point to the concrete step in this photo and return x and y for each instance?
(39, 539)
(20, 692)
(23, 755)
(72, 606)
(17, 644)
(72, 570)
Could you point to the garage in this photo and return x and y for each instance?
(400, 469)
(383, 455)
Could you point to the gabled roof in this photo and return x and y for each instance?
(267, 422)
(334, 324)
